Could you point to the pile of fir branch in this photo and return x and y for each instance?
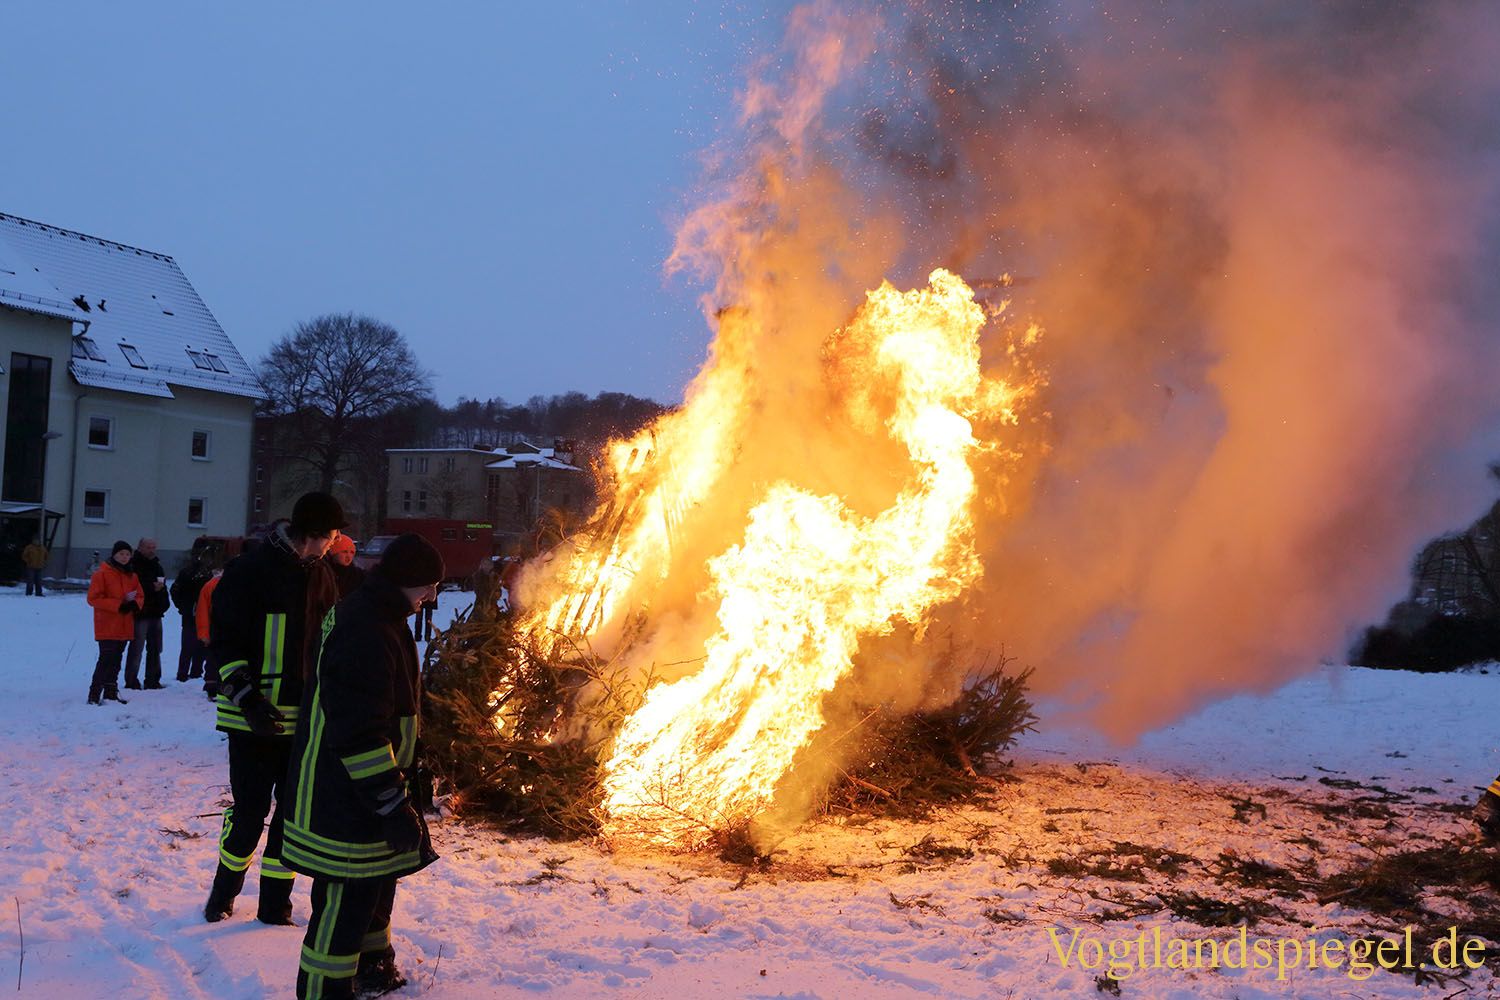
(516, 733)
(906, 764)
(513, 732)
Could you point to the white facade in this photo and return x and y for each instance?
(141, 444)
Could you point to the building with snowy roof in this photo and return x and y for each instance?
(127, 410)
(509, 487)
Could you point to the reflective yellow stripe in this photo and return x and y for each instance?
(369, 763)
(273, 868)
(376, 940)
(231, 667)
(408, 740)
(302, 808)
(349, 869)
(341, 848)
(274, 651)
(233, 862)
(332, 966)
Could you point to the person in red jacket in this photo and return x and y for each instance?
(114, 594)
(201, 616)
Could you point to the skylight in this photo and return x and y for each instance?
(133, 356)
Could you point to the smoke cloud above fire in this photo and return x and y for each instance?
(1260, 239)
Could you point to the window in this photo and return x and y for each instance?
(450, 463)
(450, 534)
(215, 362)
(195, 511)
(96, 506)
(406, 466)
(260, 475)
(200, 445)
(133, 356)
(85, 349)
(198, 360)
(406, 501)
(25, 426)
(260, 503)
(421, 500)
(422, 465)
(101, 432)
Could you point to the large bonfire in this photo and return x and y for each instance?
(809, 579)
(1259, 266)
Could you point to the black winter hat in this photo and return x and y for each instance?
(410, 561)
(122, 544)
(318, 513)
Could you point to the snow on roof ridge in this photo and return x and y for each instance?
(84, 236)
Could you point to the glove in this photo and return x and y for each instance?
(265, 719)
(402, 828)
(129, 607)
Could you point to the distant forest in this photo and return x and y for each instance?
(473, 423)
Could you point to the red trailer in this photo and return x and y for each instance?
(462, 544)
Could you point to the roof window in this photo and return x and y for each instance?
(162, 304)
(133, 356)
(215, 362)
(84, 349)
(199, 361)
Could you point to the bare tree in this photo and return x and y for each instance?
(330, 380)
(451, 490)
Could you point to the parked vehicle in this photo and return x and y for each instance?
(462, 544)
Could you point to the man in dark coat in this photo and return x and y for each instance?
(264, 617)
(353, 826)
(154, 604)
(185, 590)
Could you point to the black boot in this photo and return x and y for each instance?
(275, 906)
(377, 978)
(94, 696)
(1487, 816)
(112, 694)
(227, 885)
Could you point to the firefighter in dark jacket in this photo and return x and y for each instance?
(353, 826)
(264, 622)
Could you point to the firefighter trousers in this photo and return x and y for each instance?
(350, 930)
(257, 775)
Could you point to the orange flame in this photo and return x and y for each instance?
(809, 579)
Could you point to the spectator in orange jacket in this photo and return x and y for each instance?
(202, 614)
(114, 594)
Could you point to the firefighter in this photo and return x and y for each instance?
(353, 826)
(264, 615)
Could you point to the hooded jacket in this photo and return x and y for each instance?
(107, 589)
(357, 745)
(259, 627)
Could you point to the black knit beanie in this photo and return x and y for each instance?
(122, 544)
(318, 513)
(410, 561)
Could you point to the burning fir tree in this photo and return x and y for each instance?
(740, 630)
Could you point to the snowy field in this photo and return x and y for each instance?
(111, 819)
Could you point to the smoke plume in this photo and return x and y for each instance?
(1258, 237)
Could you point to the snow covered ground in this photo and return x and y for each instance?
(1238, 814)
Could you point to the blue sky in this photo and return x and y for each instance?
(499, 181)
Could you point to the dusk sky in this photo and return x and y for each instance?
(500, 182)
